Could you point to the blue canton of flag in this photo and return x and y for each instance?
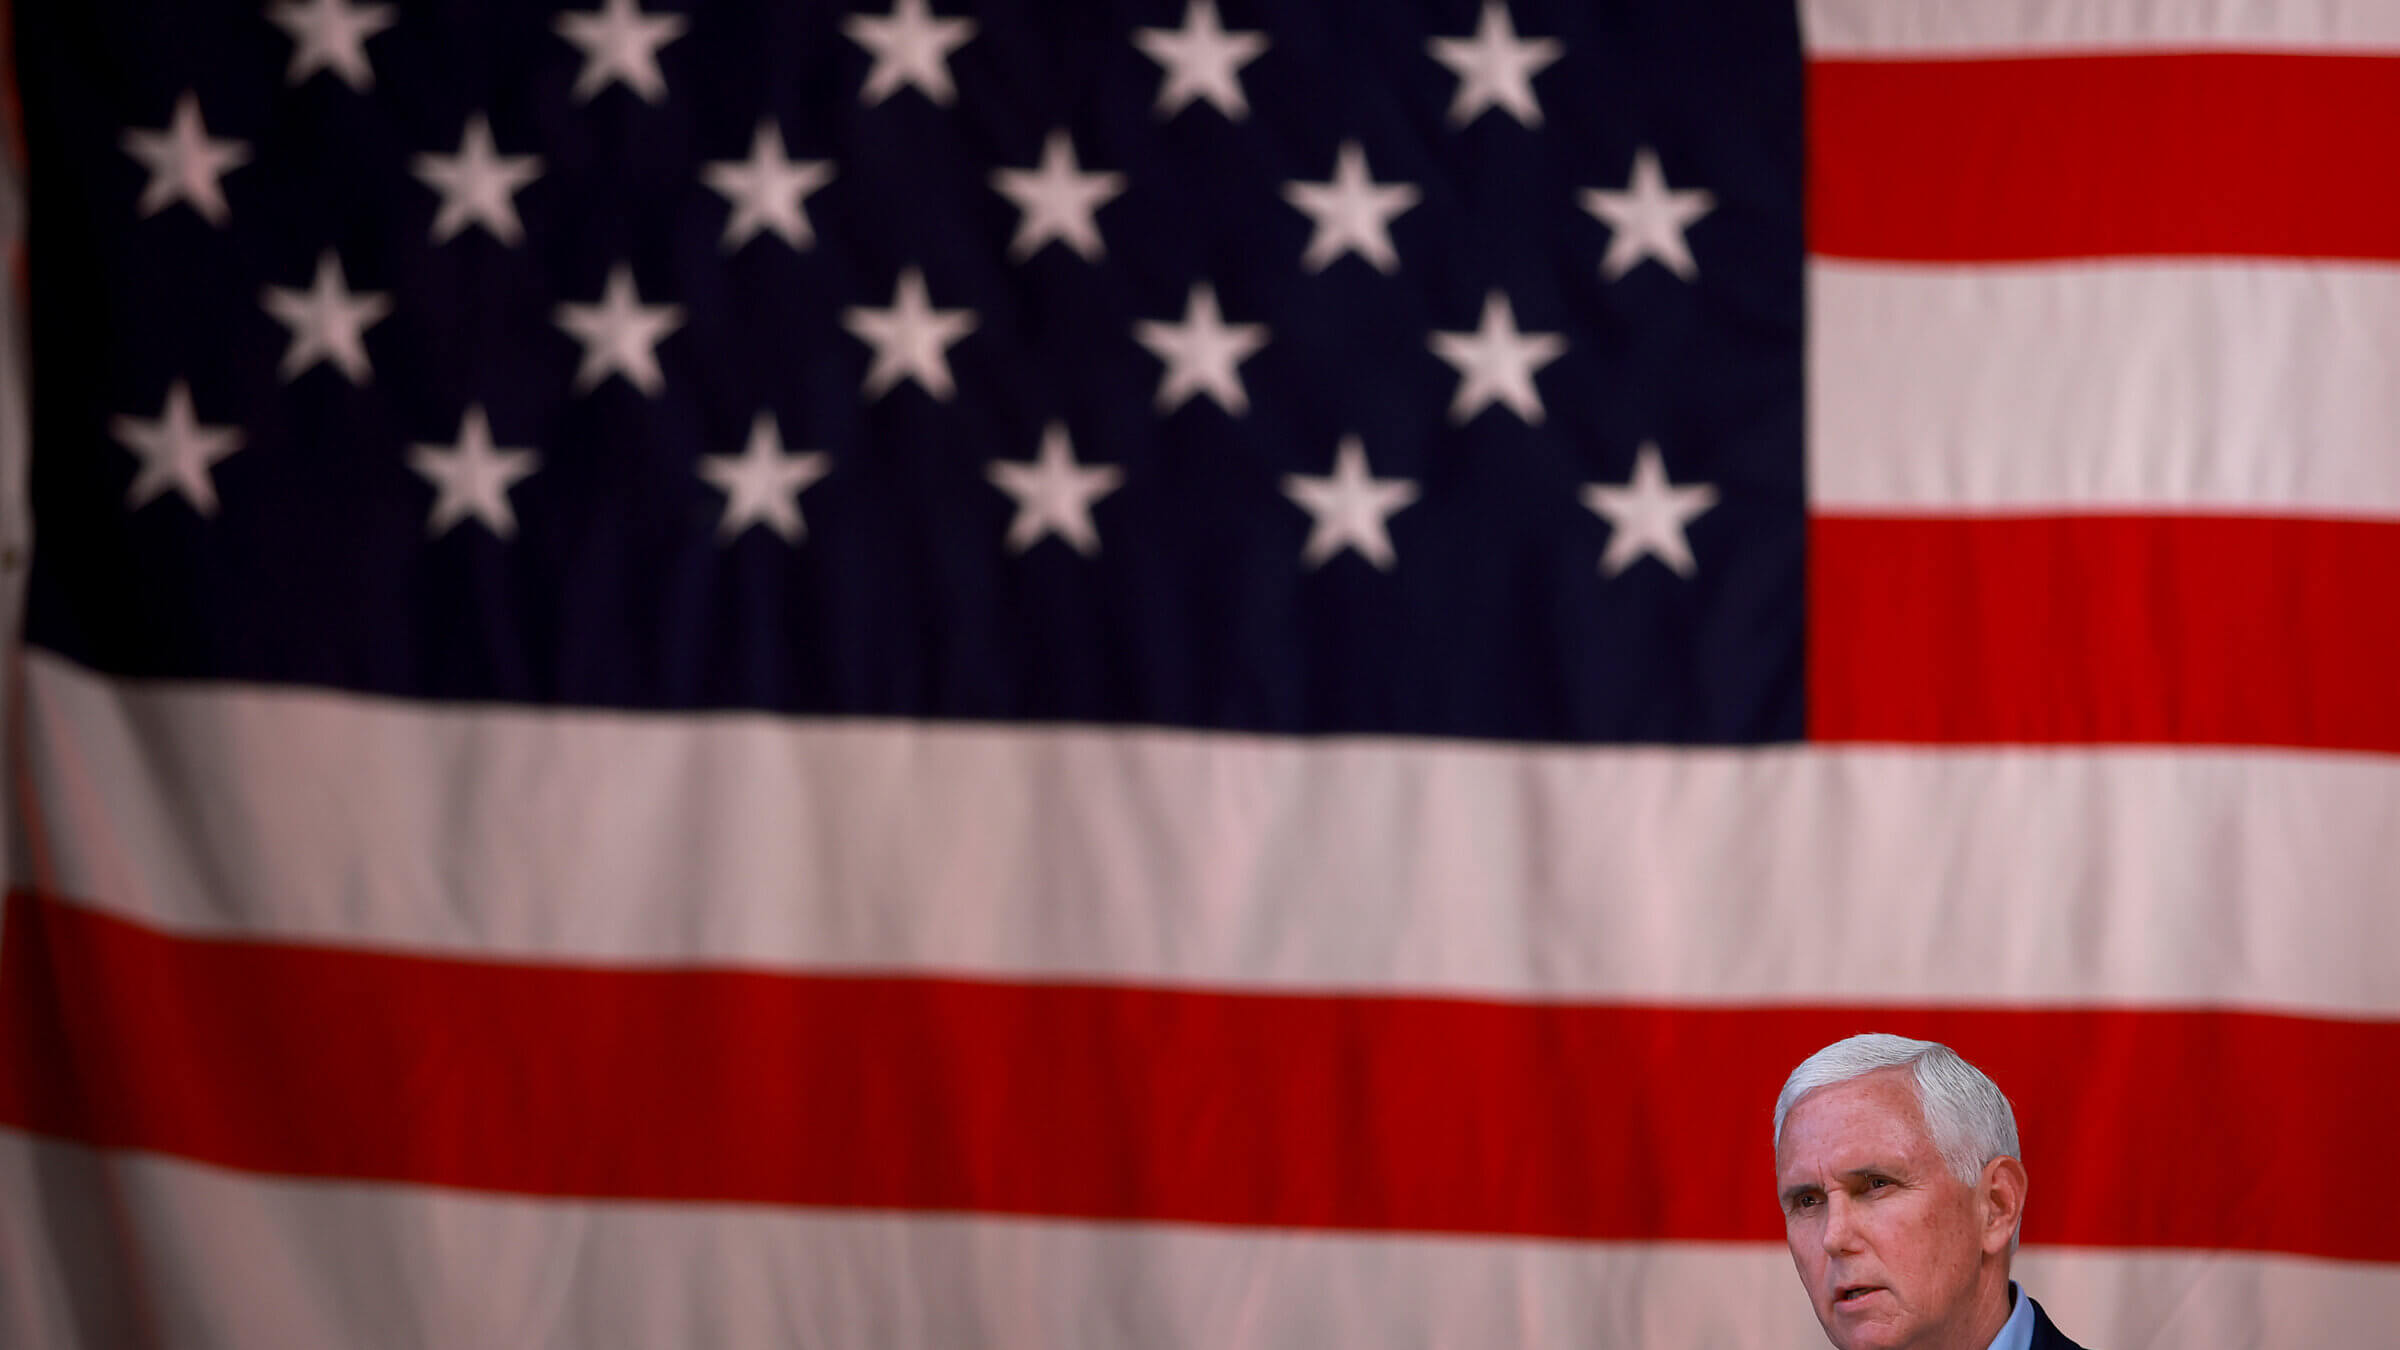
(1344, 367)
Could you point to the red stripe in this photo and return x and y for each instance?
(2105, 629)
(2181, 154)
(2147, 1128)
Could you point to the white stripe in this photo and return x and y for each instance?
(1937, 28)
(125, 1250)
(2225, 877)
(2254, 388)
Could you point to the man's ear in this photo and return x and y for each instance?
(2001, 1193)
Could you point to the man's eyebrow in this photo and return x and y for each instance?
(1873, 1169)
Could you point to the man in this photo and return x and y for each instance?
(1896, 1162)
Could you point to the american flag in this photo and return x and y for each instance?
(1184, 673)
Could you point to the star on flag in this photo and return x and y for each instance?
(328, 322)
(478, 185)
(620, 46)
(910, 49)
(620, 335)
(1352, 212)
(1054, 494)
(762, 484)
(471, 477)
(1496, 363)
(1057, 200)
(911, 338)
(1203, 354)
(176, 452)
(1647, 515)
(767, 191)
(1350, 508)
(331, 35)
(1201, 61)
(1495, 68)
(185, 164)
(1648, 220)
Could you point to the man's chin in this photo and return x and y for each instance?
(1870, 1321)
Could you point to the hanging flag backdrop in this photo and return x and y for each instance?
(1161, 673)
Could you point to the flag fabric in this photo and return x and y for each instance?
(1182, 673)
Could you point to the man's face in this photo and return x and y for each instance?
(1888, 1243)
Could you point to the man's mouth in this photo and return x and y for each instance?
(1851, 1293)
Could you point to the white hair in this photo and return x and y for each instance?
(1965, 1112)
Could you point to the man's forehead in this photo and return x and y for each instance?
(1855, 1125)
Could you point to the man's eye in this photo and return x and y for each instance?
(1878, 1183)
(1805, 1202)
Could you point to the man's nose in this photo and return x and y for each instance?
(1841, 1231)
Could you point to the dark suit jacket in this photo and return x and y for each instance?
(2046, 1336)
